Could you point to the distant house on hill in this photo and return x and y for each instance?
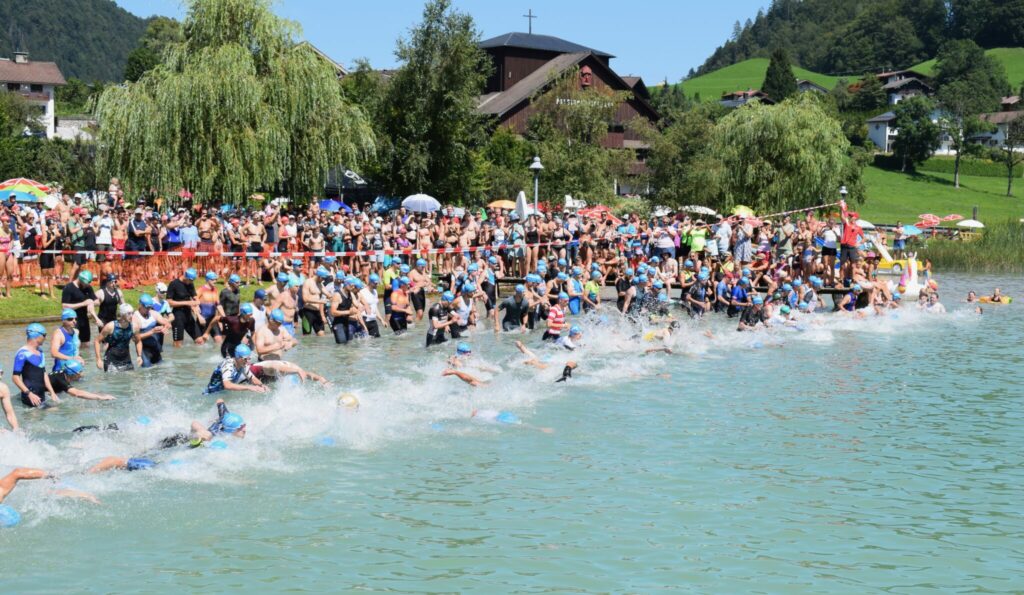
(804, 85)
(738, 98)
(36, 82)
(904, 84)
(1001, 120)
(1010, 104)
(883, 133)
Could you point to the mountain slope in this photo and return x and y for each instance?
(88, 39)
(748, 74)
(1012, 60)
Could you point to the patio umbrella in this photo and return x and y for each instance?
(503, 204)
(421, 203)
(742, 211)
(24, 190)
(331, 206)
(865, 224)
(971, 224)
(384, 204)
(700, 210)
(910, 230)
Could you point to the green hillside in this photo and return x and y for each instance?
(893, 196)
(748, 74)
(1011, 58)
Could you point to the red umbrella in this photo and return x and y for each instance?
(599, 212)
(953, 218)
(184, 193)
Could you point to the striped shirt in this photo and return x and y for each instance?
(556, 318)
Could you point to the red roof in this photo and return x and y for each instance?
(38, 73)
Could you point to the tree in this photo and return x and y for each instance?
(161, 34)
(1013, 150)
(237, 106)
(567, 128)
(429, 113)
(506, 160)
(786, 156)
(779, 81)
(16, 115)
(737, 30)
(681, 167)
(870, 96)
(969, 83)
(918, 136)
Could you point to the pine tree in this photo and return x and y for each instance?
(737, 30)
(779, 81)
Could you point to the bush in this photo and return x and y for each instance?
(1000, 249)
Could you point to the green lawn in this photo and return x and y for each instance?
(1012, 59)
(748, 74)
(893, 196)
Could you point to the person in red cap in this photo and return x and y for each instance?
(848, 253)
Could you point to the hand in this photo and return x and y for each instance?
(138, 361)
(34, 399)
(53, 398)
(258, 389)
(79, 359)
(99, 365)
(106, 398)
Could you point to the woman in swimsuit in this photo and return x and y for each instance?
(8, 261)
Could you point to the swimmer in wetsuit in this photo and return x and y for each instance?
(227, 424)
(118, 335)
(234, 374)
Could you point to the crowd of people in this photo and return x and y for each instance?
(442, 279)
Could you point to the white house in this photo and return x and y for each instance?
(882, 133)
(1001, 120)
(75, 127)
(903, 84)
(34, 81)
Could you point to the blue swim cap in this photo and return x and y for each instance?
(746, 272)
(575, 330)
(232, 422)
(330, 259)
(358, 283)
(641, 269)
(562, 262)
(73, 367)
(322, 272)
(758, 300)
(595, 275)
(562, 277)
(745, 281)
(703, 276)
(282, 277)
(191, 274)
(35, 330)
(656, 259)
(421, 262)
(464, 348)
(857, 287)
(630, 272)
(563, 296)
(8, 516)
(896, 296)
(404, 269)
(785, 310)
(325, 441)
(246, 309)
(787, 287)
(817, 282)
(143, 420)
(243, 351)
(388, 261)
(688, 263)
(804, 306)
(797, 282)
(211, 276)
(521, 288)
(277, 315)
(658, 284)
(146, 301)
(234, 279)
(594, 266)
(643, 278)
(294, 282)
(531, 278)
(506, 417)
(403, 280)
(68, 314)
(663, 296)
(218, 445)
(468, 288)
(259, 295)
(473, 267)
(492, 260)
(296, 263)
(447, 297)
(374, 278)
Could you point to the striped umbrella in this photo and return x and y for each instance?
(24, 190)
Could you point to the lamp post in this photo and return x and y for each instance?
(535, 167)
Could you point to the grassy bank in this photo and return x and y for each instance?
(893, 196)
(999, 250)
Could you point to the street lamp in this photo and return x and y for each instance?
(535, 167)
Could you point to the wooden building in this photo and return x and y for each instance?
(525, 64)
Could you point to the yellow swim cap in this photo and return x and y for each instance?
(348, 400)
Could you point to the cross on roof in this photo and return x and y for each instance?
(529, 16)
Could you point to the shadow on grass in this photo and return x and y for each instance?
(929, 178)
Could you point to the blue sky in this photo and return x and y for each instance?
(651, 38)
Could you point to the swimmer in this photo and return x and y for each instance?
(662, 335)
(60, 382)
(462, 352)
(273, 340)
(934, 305)
(10, 517)
(504, 417)
(234, 374)
(573, 341)
(996, 297)
(532, 359)
(348, 401)
(971, 297)
(227, 424)
(753, 316)
(270, 371)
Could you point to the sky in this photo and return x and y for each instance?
(655, 39)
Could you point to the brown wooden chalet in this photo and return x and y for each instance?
(526, 63)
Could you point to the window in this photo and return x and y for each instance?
(13, 86)
(37, 88)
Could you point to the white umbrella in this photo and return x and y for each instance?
(699, 210)
(865, 224)
(971, 224)
(421, 203)
(662, 211)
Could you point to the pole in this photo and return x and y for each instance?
(536, 190)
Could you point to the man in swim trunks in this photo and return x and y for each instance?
(272, 340)
(271, 371)
(149, 326)
(313, 301)
(60, 382)
(419, 281)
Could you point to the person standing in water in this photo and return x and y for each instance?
(118, 336)
(65, 345)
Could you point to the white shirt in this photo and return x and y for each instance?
(106, 223)
(370, 298)
(259, 317)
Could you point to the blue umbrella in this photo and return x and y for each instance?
(910, 230)
(330, 205)
(384, 204)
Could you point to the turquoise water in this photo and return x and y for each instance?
(854, 457)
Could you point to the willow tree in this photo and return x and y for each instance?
(236, 106)
(786, 156)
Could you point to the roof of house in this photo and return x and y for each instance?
(1001, 117)
(547, 43)
(1011, 100)
(912, 73)
(31, 72)
(886, 117)
(500, 103)
(807, 83)
(342, 71)
(892, 86)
